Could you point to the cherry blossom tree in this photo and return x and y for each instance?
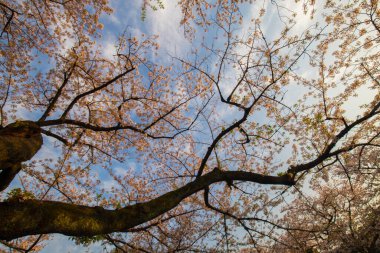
(341, 214)
(216, 151)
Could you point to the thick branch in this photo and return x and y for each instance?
(19, 142)
(53, 101)
(7, 175)
(43, 217)
(327, 153)
(97, 128)
(104, 85)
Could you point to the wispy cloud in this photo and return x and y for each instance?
(166, 24)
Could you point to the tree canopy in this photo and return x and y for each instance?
(263, 136)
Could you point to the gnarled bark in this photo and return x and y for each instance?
(42, 217)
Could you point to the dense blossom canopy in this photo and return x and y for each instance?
(263, 136)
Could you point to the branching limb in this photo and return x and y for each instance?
(43, 217)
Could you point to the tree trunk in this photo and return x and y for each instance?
(19, 142)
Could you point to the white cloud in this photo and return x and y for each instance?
(123, 171)
(108, 184)
(166, 24)
(109, 49)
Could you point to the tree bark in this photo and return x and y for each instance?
(32, 217)
(19, 142)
